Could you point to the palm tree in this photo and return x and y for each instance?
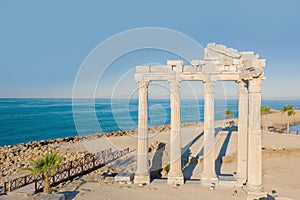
(47, 165)
(290, 111)
(264, 111)
(228, 115)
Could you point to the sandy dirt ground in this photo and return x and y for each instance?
(281, 174)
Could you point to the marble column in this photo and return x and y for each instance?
(175, 175)
(254, 184)
(209, 172)
(142, 173)
(242, 151)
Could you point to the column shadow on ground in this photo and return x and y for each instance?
(219, 162)
(157, 160)
(186, 152)
(189, 169)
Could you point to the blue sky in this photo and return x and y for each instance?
(42, 44)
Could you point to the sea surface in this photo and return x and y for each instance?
(25, 120)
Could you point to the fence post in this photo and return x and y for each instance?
(5, 187)
(9, 185)
(69, 170)
(35, 185)
(69, 173)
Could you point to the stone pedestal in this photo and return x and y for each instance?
(242, 151)
(175, 175)
(209, 174)
(142, 172)
(255, 185)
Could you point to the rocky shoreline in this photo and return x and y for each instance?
(15, 157)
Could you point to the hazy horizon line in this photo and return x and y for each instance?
(158, 98)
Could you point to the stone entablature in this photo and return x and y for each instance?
(220, 63)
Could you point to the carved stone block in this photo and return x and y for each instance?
(160, 68)
(142, 69)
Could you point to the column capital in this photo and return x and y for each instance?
(255, 85)
(207, 80)
(243, 86)
(143, 84)
(209, 86)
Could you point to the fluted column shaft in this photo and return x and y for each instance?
(254, 184)
(175, 175)
(242, 152)
(209, 173)
(142, 172)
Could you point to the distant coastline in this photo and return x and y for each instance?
(30, 119)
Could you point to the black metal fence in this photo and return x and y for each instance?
(75, 168)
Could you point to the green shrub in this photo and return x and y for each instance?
(167, 168)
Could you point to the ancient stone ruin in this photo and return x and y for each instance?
(220, 64)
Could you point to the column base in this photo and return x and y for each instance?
(255, 192)
(141, 178)
(208, 180)
(175, 179)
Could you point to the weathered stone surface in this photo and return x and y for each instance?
(198, 62)
(142, 174)
(124, 177)
(248, 55)
(209, 68)
(143, 69)
(219, 48)
(211, 55)
(160, 68)
(175, 175)
(236, 61)
(232, 68)
(217, 59)
(189, 69)
(227, 181)
(53, 197)
(209, 133)
(174, 62)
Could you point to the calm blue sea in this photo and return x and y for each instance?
(24, 120)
